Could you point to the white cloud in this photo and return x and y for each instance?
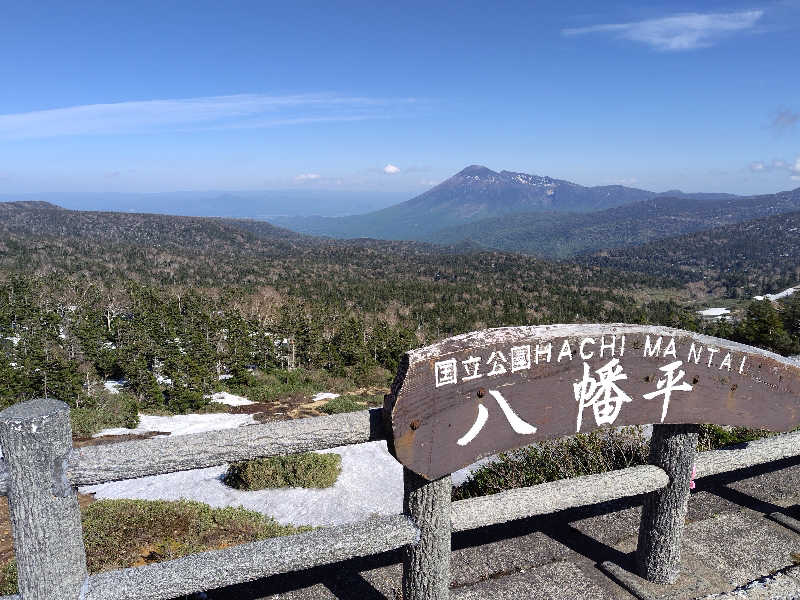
(679, 32)
(778, 165)
(240, 111)
(307, 176)
(391, 169)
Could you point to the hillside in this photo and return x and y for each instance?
(473, 194)
(739, 260)
(555, 235)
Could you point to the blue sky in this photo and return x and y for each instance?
(372, 96)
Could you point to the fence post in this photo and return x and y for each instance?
(426, 565)
(36, 439)
(658, 556)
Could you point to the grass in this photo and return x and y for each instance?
(309, 470)
(350, 403)
(129, 533)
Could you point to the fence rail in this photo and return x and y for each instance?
(47, 571)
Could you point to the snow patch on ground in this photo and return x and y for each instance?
(714, 312)
(228, 398)
(778, 296)
(182, 424)
(324, 396)
(371, 483)
(113, 386)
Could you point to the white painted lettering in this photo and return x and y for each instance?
(741, 366)
(726, 362)
(546, 351)
(694, 353)
(566, 351)
(520, 358)
(496, 359)
(670, 349)
(472, 366)
(446, 373)
(650, 349)
(711, 353)
(604, 346)
(622, 347)
(583, 354)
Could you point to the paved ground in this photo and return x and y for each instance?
(732, 550)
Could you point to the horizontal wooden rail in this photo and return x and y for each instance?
(753, 453)
(247, 562)
(158, 455)
(553, 496)
(155, 456)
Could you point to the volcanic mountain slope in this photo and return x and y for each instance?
(473, 194)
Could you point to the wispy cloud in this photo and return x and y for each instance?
(307, 177)
(391, 169)
(687, 31)
(240, 111)
(784, 119)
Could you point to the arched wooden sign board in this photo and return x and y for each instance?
(480, 393)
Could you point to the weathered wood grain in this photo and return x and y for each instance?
(426, 564)
(553, 496)
(45, 519)
(247, 562)
(658, 556)
(476, 394)
(138, 458)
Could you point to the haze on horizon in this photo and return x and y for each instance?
(388, 100)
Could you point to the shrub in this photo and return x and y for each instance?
(716, 436)
(108, 410)
(308, 469)
(8, 578)
(583, 454)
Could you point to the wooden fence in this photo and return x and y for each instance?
(42, 470)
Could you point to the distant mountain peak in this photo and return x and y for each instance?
(476, 171)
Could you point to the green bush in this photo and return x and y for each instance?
(350, 403)
(583, 454)
(716, 436)
(108, 410)
(8, 578)
(309, 469)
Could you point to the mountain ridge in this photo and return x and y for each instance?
(474, 193)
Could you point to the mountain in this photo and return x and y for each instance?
(738, 260)
(470, 195)
(559, 235)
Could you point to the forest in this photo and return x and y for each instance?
(178, 307)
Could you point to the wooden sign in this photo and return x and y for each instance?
(480, 393)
